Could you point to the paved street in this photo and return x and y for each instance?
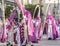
(45, 42)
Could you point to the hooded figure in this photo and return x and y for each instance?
(38, 25)
(51, 26)
(7, 27)
(30, 26)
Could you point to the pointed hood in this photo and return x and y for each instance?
(54, 30)
(30, 25)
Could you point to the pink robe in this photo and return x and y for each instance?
(31, 31)
(38, 27)
(8, 23)
(54, 30)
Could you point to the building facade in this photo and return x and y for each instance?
(43, 2)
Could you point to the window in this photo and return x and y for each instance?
(30, 1)
(51, 1)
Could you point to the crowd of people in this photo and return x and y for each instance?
(28, 29)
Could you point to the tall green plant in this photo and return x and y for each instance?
(30, 8)
(8, 11)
